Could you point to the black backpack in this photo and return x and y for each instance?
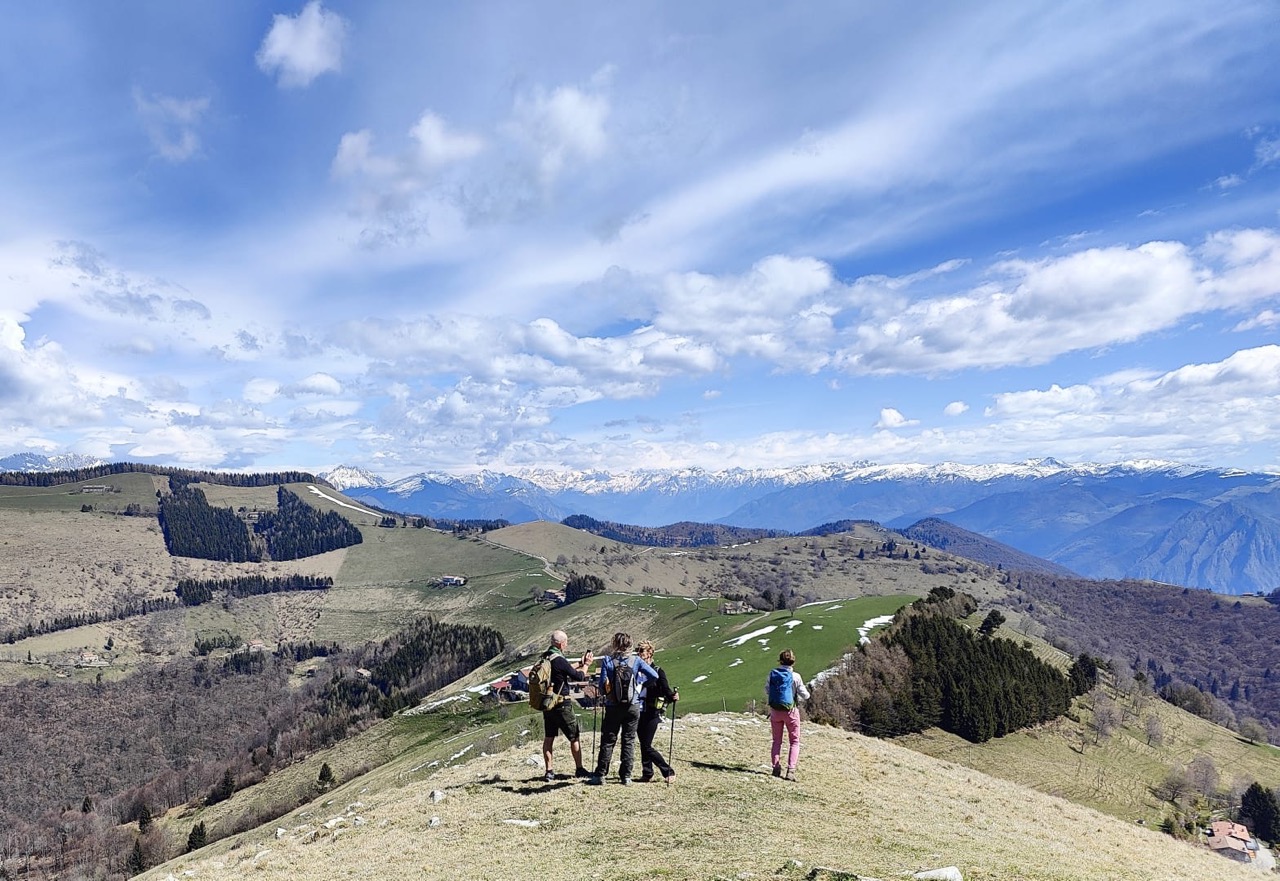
(622, 680)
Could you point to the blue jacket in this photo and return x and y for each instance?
(647, 675)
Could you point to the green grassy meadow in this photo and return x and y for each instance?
(129, 488)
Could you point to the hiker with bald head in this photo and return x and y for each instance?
(557, 710)
(622, 680)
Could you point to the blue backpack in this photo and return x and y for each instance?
(782, 689)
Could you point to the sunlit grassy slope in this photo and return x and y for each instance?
(475, 807)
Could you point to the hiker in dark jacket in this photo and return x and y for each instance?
(560, 718)
(657, 695)
(620, 716)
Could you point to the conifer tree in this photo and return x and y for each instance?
(198, 837)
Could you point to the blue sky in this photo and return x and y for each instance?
(507, 235)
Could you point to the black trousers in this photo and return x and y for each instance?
(650, 757)
(618, 720)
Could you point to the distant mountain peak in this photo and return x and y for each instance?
(345, 477)
(32, 462)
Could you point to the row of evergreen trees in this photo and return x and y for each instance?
(177, 476)
(197, 592)
(70, 621)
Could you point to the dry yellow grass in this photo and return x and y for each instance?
(862, 805)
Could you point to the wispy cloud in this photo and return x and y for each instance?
(171, 124)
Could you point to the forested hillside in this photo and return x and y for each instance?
(297, 530)
(1227, 648)
(685, 534)
(929, 670)
(194, 528)
(91, 756)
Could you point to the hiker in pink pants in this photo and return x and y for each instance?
(782, 689)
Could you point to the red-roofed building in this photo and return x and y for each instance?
(1232, 840)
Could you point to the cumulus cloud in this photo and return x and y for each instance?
(955, 408)
(299, 48)
(1035, 310)
(321, 384)
(891, 419)
(780, 311)
(172, 124)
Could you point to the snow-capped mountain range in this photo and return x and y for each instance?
(1216, 528)
(1204, 527)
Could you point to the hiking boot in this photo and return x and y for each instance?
(777, 770)
(595, 780)
(550, 777)
(671, 777)
(791, 775)
(646, 778)
(625, 781)
(581, 772)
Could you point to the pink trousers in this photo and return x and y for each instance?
(790, 720)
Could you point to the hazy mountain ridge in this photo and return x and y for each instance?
(1077, 516)
(1149, 519)
(956, 540)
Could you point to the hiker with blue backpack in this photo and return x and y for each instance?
(782, 688)
(622, 680)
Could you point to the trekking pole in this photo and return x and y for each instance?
(594, 707)
(671, 751)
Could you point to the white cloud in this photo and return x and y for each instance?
(172, 124)
(438, 146)
(261, 390)
(1267, 318)
(300, 48)
(955, 408)
(562, 126)
(1034, 311)
(316, 384)
(1228, 181)
(891, 419)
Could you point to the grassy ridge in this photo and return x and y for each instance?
(134, 488)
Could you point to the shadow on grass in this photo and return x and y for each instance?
(735, 769)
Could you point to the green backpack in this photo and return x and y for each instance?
(541, 695)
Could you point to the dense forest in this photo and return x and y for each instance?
(297, 530)
(928, 669)
(1223, 647)
(85, 758)
(675, 535)
(194, 528)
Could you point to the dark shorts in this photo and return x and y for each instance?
(561, 720)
